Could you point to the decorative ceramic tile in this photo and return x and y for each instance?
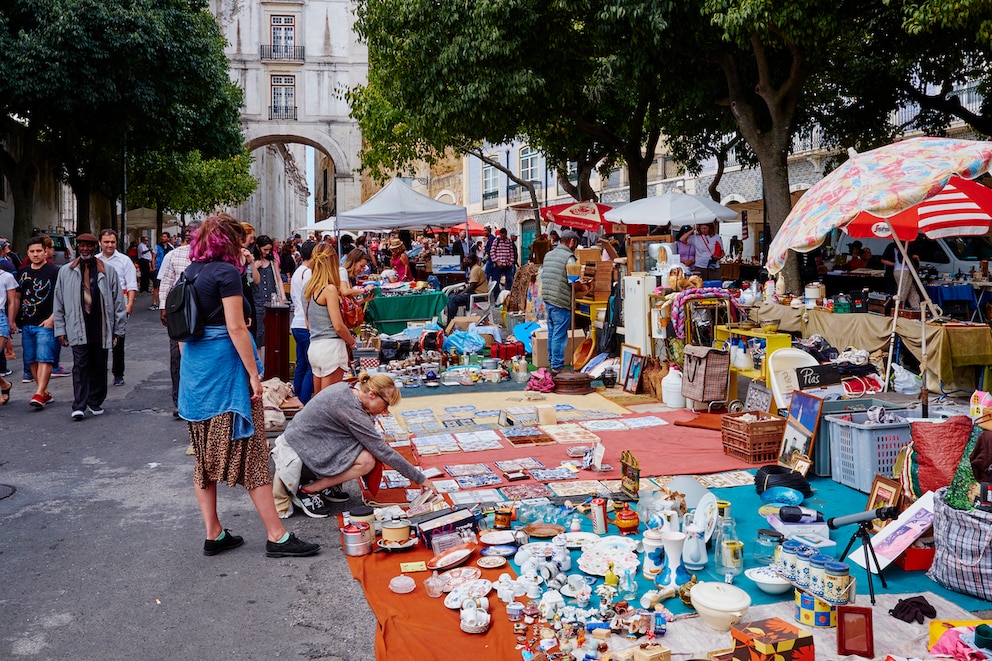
(603, 425)
(646, 421)
(440, 443)
(576, 488)
(426, 428)
(392, 479)
(467, 469)
(522, 464)
(539, 439)
(488, 413)
(480, 445)
(564, 407)
(457, 415)
(452, 424)
(599, 414)
(418, 412)
(570, 416)
(570, 433)
(462, 437)
(411, 494)
(446, 486)
(476, 481)
(476, 496)
(736, 478)
(518, 432)
(548, 474)
(645, 484)
(460, 409)
(418, 420)
(529, 490)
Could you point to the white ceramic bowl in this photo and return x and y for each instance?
(768, 580)
(720, 605)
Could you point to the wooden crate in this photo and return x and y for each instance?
(757, 442)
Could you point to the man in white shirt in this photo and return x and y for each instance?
(302, 376)
(146, 259)
(128, 280)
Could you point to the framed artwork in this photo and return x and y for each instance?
(759, 398)
(855, 634)
(802, 464)
(800, 428)
(898, 535)
(633, 377)
(627, 351)
(885, 492)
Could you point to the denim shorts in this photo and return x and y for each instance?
(38, 344)
(4, 324)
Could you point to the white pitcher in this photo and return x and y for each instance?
(694, 554)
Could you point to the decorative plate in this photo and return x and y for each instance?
(397, 546)
(500, 550)
(491, 562)
(458, 576)
(543, 549)
(575, 540)
(706, 514)
(477, 588)
(610, 544)
(495, 537)
(597, 564)
(451, 557)
(543, 529)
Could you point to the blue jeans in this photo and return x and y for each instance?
(37, 344)
(302, 376)
(559, 321)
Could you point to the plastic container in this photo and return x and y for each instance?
(821, 446)
(671, 389)
(757, 442)
(859, 450)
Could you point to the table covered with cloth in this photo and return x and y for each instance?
(954, 351)
(389, 314)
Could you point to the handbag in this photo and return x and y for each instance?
(718, 250)
(352, 311)
(705, 374)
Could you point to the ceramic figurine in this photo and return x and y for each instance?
(611, 578)
(685, 589)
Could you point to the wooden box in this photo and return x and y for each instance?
(652, 652)
(773, 639)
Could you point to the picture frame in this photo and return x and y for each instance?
(885, 492)
(802, 464)
(759, 397)
(800, 428)
(855, 632)
(627, 351)
(632, 380)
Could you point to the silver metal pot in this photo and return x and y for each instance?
(490, 363)
(355, 539)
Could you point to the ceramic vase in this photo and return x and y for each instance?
(672, 542)
(694, 555)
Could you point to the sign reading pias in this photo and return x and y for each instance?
(817, 376)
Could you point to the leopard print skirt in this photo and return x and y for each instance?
(219, 458)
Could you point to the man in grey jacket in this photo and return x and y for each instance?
(559, 297)
(90, 317)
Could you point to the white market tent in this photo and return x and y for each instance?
(329, 224)
(397, 206)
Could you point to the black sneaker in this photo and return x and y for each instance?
(313, 505)
(226, 543)
(293, 547)
(95, 410)
(335, 494)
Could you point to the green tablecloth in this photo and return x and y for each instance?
(389, 314)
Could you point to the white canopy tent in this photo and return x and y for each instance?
(674, 208)
(329, 224)
(397, 206)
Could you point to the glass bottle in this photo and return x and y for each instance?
(729, 555)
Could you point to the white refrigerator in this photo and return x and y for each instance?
(636, 311)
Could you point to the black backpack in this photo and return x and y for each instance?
(183, 319)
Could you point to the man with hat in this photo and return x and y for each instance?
(558, 297)
(90, 317)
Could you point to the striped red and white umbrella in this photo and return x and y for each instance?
(961, 208)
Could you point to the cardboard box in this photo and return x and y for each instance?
(773, 639)
(652, 652)
(916, 559)
(445, 521)
(461, 323)
(539, 344)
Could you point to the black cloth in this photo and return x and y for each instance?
(37, 290)
(117, 358)
(89, 376)
(145, 266)
(913, 609)
(216, 281)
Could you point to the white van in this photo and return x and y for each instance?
(950, 255)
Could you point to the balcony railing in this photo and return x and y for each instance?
(282, 112)
(282, 53)
(517, 193)
(490, 199)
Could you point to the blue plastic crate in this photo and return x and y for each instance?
(859, 450)
(821, 446)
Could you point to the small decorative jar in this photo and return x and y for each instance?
(802, 565)
(766, 544)
(788, 558)
(817, 563)
(836, 577)
(627, 520)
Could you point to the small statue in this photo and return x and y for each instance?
(611, 578)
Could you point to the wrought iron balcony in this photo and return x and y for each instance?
(517, 193)
(282, 53)
(490, 199)
(282, 112)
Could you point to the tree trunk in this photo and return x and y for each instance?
(778, 203)
(22, 189)
(159, 220)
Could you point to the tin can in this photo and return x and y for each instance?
(598, 506)
(836, 576)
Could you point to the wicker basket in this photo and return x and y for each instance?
(756, 442)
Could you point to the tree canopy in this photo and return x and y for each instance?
(84, 78)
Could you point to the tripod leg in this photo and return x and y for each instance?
(866, 545)
(871, 549)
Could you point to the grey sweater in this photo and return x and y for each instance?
(333, 428)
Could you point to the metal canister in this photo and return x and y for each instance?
(816, 573)
(803, 556)
(836, 577)
(598, 506)
(788, 558)
(355, 539)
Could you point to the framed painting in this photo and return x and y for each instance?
(855, 634)
(885, 492)
(633, 379)
(627, 351)
(800, 428)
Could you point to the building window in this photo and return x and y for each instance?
(573, 177)
(283, 36)
(283, 97)
(490, 185)
(528, 163)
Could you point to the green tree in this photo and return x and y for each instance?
(81, 79)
